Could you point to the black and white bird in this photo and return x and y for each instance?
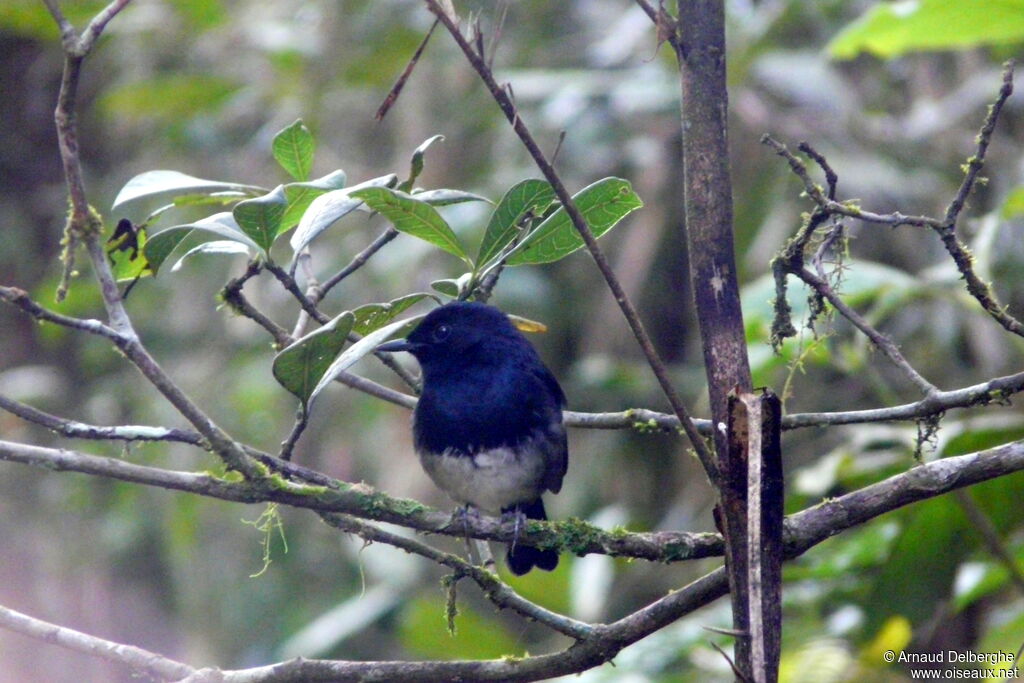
(488, 426)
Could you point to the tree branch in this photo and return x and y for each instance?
(573, 536)
(141, 662)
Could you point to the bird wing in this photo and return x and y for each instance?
(556, 444)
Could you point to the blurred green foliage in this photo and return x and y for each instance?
(204, 88)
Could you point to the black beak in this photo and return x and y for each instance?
(396, 345)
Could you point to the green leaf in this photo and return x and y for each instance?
(159, 246)
(261, 217)
(447, 287)
(361, 348)
(326, 209)
(529, 195)
(889, 30)
(370, 317)
(602, 204)
(153, 185)
(293, 149)
(413, 217)
(215, 247)
(301, 365)
(301, 195)
(416, 164)
(446, 197)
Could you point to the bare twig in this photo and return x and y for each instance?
(881, 341)
(140, 662)
(665, 24)
(80, 430)
(500, 593)
(288, 282)
(396, 89)
(990, 537)
(358, 261)
(504, 101)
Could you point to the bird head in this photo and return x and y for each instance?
(455, 330)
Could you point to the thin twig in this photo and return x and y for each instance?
(80, 430)
(665, 24)
(881, 341)
(140, 662)
(358, 261)
(293, 288)
(507, 106)
(990, 537)
(396, 89)
(498, 592)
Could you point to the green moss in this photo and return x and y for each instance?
(574, 534)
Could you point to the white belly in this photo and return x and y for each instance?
(490, 480)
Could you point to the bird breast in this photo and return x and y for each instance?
(489, 479)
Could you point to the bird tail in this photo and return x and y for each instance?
(523, 558)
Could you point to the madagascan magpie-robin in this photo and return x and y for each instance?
(488, 426)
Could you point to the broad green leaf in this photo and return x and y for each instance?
(447, 287)
(889, 30)
(602, 204)
(528, 195)
(301, 195)
(300, 366)
(324, 210)
(416, 164)
(414, 217)
(215, 247)
(153, 185)
(293, 149)
(361, 348)
(212, 199)
(159, 246)
(369, 317)
(446, 197)
(261, 217)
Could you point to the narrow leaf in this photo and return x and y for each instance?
(301, 365)
(446, 197)
(361, 348)
(530, 195)
(293, 149)
(324, 210)
(153, 185)
(215, 247)
(370, 317)
(447, 287)
(261, 217)
(414, 217)
(301, 195)
(416, 163)
(602, 204)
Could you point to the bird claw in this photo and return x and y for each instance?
(517, 518)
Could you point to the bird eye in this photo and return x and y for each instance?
(441, 332)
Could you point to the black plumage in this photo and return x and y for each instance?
(488, 426)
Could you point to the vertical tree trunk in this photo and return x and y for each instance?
(708, 190)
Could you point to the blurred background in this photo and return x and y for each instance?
(202, 86)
